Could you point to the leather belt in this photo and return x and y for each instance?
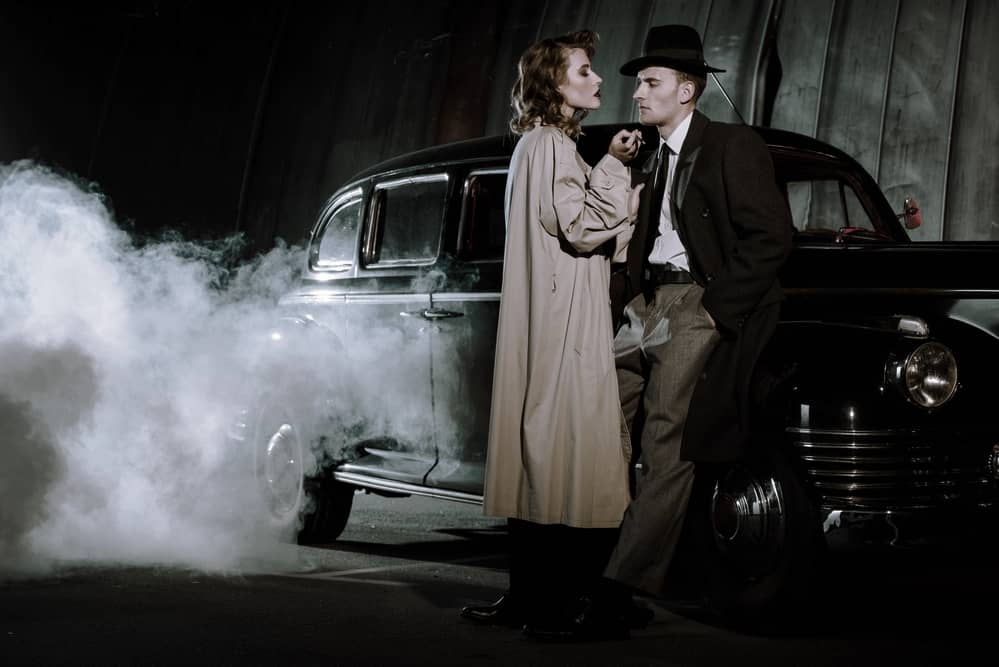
(666, 274)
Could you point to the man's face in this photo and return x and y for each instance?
(662, 100)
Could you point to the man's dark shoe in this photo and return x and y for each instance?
(556, 629)
(502, 612)
(616, 599)
(636, 616)
(585, 621)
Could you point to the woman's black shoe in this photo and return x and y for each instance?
(502, 612)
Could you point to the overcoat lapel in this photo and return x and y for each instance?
(688, 156)
(640, 237)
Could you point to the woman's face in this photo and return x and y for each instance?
(581, 88)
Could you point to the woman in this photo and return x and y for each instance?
(558, 453)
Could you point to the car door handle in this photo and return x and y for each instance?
(432, 313)
(439, 314)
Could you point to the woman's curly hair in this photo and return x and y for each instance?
(542, 69)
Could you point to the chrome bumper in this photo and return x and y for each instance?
(851, 529)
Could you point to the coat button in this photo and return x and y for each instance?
(706, 213)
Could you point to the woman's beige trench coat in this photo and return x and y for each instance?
(558, 449)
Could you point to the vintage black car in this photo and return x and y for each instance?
(875, 398)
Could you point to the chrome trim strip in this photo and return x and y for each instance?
(956, 292)
(401, 297)
(858, 504)
(846, 460)
(466, 296)
(408, 180)
(909, 326)
(917, 487)
(856, 486)
(338, 266)
(312, 298)
(403, 263)
(835, 323)
(366, 482)
(850, 432)
(803, 444)
(855, 473)
(404, 297)
(899, 505)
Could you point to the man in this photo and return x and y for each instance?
(703, 296)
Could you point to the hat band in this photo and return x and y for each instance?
(676, 54)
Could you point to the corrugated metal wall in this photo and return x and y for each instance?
(908, 87)
(188, 115)
(972, 203)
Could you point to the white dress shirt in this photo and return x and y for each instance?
(668, 248)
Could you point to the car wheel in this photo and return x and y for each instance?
(328, 512)
(760, 542)
(296, 497)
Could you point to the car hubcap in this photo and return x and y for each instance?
(280, 469)
(748, 520)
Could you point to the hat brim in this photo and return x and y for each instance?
(633, 67)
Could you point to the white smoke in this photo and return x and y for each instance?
(121, 368)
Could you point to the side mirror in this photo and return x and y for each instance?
(911, 216)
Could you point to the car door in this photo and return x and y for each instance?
(840, 234)
(465, 311)
(388, 337)
(836, 220)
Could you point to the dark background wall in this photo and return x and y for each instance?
(212, 119)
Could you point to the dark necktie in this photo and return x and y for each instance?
(656, 204)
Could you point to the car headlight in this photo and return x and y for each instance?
(928, 376)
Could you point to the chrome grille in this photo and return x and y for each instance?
(890, 469)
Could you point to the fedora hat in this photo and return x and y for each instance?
(675, 46)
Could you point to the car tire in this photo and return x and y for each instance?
(758, 539)
(327, 515)
(297, 497)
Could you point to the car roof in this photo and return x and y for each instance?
(592, 144)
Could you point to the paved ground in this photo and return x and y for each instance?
(389, 591)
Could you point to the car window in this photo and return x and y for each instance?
(483, 224)
(338, 229)
(826, 205)
(406, 220)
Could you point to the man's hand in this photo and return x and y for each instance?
(625, 145)
(710, 319)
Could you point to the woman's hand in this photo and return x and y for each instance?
(633, 200)
(625, 145)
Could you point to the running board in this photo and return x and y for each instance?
(366, 482)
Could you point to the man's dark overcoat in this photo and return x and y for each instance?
(736, 228)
